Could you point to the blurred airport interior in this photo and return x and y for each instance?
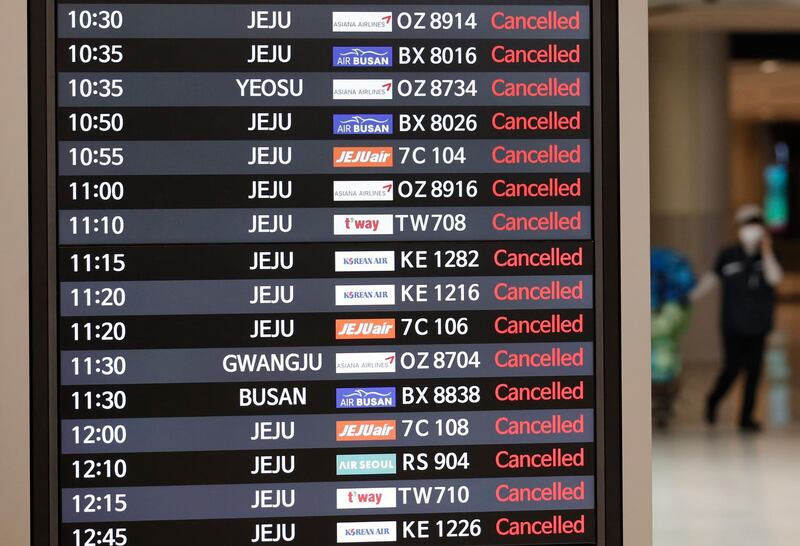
(725, 131)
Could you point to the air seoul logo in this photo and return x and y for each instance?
(362, 57)
(361, 21)
(363, 124)
(366, 398)
(368, 464)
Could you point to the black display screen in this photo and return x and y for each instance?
(324, 273)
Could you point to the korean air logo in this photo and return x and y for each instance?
(363, 124)
(366, 398)
(362, 57)
(361, 21)
(365, 294)
(364, 260)
(366, 531)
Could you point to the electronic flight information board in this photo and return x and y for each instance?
(313, 273)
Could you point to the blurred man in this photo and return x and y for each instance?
(748, 273)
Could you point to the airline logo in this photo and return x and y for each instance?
(363, 190)
(379, 89)
(363, 124)
(366, 431)
(366, 497)
(362, 21)
(366, 531)
(365, 328)
(363, 260)
(363, 156)
(365, 294)
(366, 398)
(366, 465)
(348, 363)
(363, 224)
(362, 57)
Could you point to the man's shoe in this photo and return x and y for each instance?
(711, 412)
(750, 426)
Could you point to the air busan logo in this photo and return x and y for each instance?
(366, 398)
(366, 497)
(362, 89)
(366, 431)
(363, 224)
(363, 124)
(365, 465)
(362, 21)
(363, 190)
(365, 294)
(355, 363)
(362, 156)
(362, 57)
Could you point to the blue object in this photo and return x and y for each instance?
(672, 278)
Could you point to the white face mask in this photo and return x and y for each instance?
(750, 235)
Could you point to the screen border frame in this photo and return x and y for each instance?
(43, 297)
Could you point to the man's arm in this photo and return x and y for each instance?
(707, 283)
(773, 272)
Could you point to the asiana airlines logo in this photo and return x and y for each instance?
(362, 21)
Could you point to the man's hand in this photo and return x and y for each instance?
(766, 244)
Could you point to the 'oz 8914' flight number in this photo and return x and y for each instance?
(115, 536)
(436, 20)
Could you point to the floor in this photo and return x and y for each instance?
(719, 488)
